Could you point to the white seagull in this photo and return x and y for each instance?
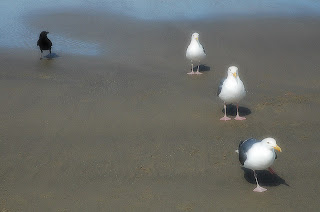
(231, 90)
(258, 155)
(195, 52)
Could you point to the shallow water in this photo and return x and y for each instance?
(184, 10)
(16, 33)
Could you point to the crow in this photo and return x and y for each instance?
(44, 43)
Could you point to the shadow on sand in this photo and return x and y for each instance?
(232, 110)
(265, 178)
(202, 68)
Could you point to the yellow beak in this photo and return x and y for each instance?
(197, 38)
(235, 74)
(277, 148)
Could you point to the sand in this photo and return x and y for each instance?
(129, 130)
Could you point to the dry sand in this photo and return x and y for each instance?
(129, 130)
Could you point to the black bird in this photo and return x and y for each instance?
(44, 43)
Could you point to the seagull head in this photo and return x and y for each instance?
(195, 36)
(233, 70)
(271, 143)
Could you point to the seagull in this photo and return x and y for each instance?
(44, 43)
(231, 90)
(195, 52)
(258, 155)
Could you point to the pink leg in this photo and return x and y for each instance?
(239, 118)
(271, 170)
(198, 71)
(258, 188)
(192, 72)
(225, 118)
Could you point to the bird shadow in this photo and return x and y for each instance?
(264, 177)
(51, 56)
(232, 110)
(202, 68)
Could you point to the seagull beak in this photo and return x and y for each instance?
(277, 148)
(235, 74)
(197, 38)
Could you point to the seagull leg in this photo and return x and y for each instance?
(192, 72)
(258, 188)
(271, 170)
(198, 70)
(225, 118)
(239, 117)
(41, 55)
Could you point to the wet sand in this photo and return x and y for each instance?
(129, 130)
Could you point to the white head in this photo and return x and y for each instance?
(271, 143)
(233, 70)
(195, 36)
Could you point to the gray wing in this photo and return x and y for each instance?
(220, 86)
(244, 146)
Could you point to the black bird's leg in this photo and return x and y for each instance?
(41, 55)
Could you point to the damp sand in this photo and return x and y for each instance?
(129, 130)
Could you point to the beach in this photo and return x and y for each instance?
(124, 128)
